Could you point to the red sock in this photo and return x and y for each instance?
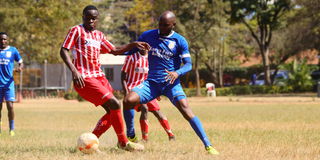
(102, 126)
(144, 129)
(118, 126)
(165, 124)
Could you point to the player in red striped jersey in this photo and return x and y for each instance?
(87, 44)
(134, 72)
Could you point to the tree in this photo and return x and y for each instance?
(141, 16)
(38, 28)
(261, 17)
(113, 22)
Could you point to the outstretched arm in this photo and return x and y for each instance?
(124, 82)
(76, 76)
(120, 50)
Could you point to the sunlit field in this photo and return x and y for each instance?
(240, 128)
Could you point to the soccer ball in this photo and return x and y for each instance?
(88, 143)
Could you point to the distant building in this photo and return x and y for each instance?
(111, 66)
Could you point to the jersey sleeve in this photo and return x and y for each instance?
(184, 48)
(17, 56)
(71, 38)
(127, 64)
(186, 58)
(106, 46)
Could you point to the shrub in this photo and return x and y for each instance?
(73, 95)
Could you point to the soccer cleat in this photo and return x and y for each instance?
(212, 151)
(134, 139)
(172, 138)
(131, 146)
(11, 133)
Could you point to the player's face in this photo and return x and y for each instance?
(3, 41)
(90, 19)
(166, 26)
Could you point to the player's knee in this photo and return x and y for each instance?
(144, 108)
(129, 101)
(114, 104)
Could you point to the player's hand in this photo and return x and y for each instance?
(78, 79)
(143, 46)
(18, 69)
(158, 98)
(171, 76)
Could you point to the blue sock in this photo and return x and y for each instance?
(129, 119)
(197, 127)
(11, 125)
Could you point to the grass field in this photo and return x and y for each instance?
(241, 128)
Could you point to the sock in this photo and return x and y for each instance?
(165, 124)
(197, 127)
(118, 126)
(11, 125)
(129, 119)
(144, 129)
(102, 126)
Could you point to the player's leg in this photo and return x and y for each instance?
(144, 124)
(178, 98)
(129, 120)
(10, 97)
(0, 115)
(99, 92)
(103, 124)
(10, 115)
(139, 95)
(1, 100)
(154, 107)
(164, 123)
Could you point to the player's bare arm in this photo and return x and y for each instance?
(19, 68)
(140, 45)
(124, 82)
(76, 76)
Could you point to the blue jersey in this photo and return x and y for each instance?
(7, 58)
(166, 53)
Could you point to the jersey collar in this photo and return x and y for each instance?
(168, 36)
(5, 48)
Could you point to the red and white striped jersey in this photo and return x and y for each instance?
(86, 48)
(136, 66)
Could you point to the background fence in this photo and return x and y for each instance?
(42, 80)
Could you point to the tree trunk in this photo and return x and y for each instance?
(198, 89)
(266, 64)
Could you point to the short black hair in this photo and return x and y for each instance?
(89, 7)
(3, 33)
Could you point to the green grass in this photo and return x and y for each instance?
(244, 128)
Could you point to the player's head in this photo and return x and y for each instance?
(167, 21)
(90, 16)
(3, 40)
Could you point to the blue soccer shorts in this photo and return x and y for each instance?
(149, 90)
(7, 92)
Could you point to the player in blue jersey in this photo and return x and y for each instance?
(8, 54)
(168, 50)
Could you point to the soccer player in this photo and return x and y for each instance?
(168, 50)
(134, 72)
(87, 44)
(8, 54)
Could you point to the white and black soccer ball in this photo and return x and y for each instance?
(88, 143)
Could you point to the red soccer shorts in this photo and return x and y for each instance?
(97, 90)
(152, 106)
